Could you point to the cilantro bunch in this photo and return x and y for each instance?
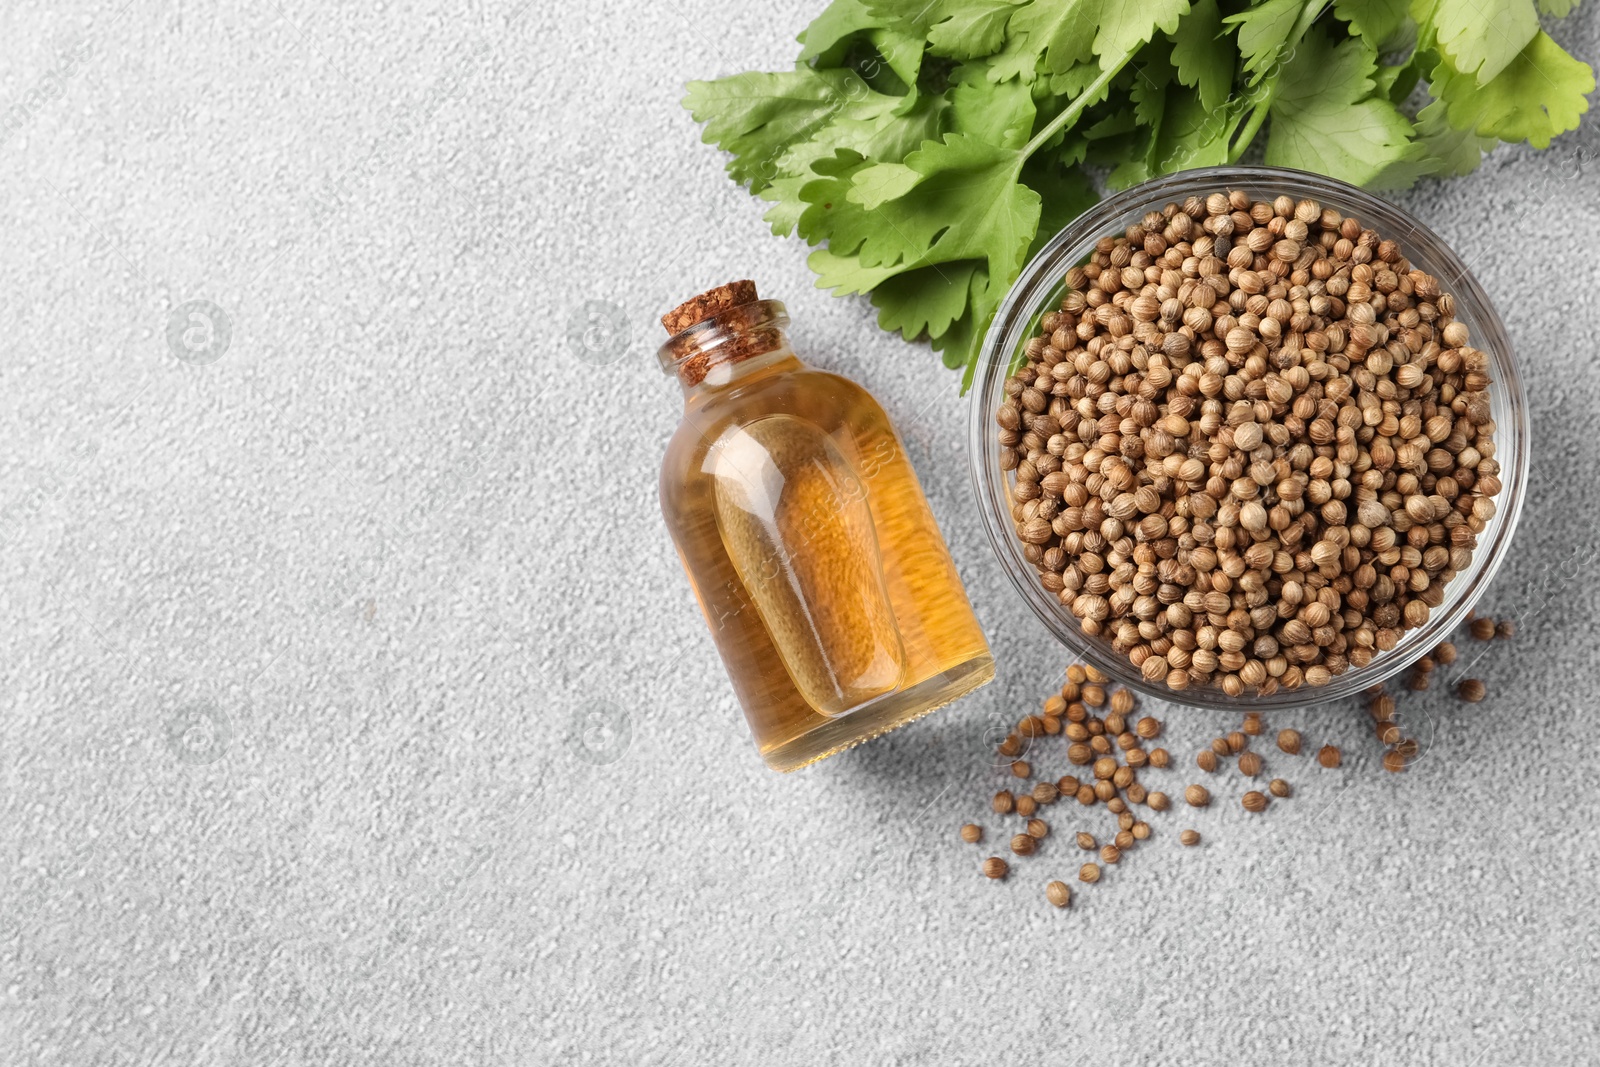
(928, 147)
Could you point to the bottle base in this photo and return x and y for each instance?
(879, 717)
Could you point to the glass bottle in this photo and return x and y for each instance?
(822, 574)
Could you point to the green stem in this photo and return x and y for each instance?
(1258, 115)
(1070, 113)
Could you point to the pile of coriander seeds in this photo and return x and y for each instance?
(1252, 447)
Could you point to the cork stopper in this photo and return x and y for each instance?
(711, 302)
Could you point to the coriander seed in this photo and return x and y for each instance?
(971, 833)
(1472, 690)
(1110, 854)
(1021, 769)
(1249, 764)
(1148, 728)
(1159, 802)
(1141, 830)
(1445, 653)
(1086, 841)
(995, 867)
(1328, 756)
(1505, 628)
(1159, 757)
(1026, 805)
(1252, 725)
(1278, 787)
(1045, 792)
(1058, 894)
(1482, 629)
(1189, 838)
(1393, 761)
(1289, 741)
(1003, 803)
(1023, 845)
(1038, 829)
(1089, 872)
(1206, 760)
(1122, 701)
(1198, 796)
(1255, 801)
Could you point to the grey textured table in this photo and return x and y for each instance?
(304, 644)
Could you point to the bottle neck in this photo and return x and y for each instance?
(730, 346)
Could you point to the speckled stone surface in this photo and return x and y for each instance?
(355, 708)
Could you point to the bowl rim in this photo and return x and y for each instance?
(1043, 276)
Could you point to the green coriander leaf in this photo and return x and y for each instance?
(925, 301)
(1538, 95)
(845, 274)
(1193, 134)
(758, 117)
(886, 136)
(1002, 114)
(966, 205)
(1263, 32)
(840, 21)
(1324, 118)
(1558, 8)
(960, 345)
(1450, 151)
(1379, 21)
(958, 29)
(1054, 35)
(1204, 57)
(1480, 37)
(1125, 27)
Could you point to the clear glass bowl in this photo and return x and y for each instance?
(1040, 289)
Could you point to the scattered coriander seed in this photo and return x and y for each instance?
(1472, 690)
(1094, 696)
(1095, 675)
(1115, 724)
(1136, 757)
(1278, 787)
(1105, 767)
(1445, 653)
(1011, 747)
(1255, 801)
(1030, 726)
(1249, 764)
(1289, 741)
(1220, 746)
(1058, 894)
(1328, 756)
(1079, 754)
(1021, 769)
(1052, 725)
(1089, 872)
(1110, 854)
(1198, 796)
(1003, 803)
(1505, 628)
(1067, 785)
(972, 833)
(1086, 841)
(1116, 806)
(1418, 681)
(1123, 777)
(1076, 675)
(1206, 760)
(1425, 664)
(1038, 829)
(1393, 761)
(1159, 757)
(1482, 629)
(995, 867)
(1236, 742)
(1408, 748)
(1159, 802)
(1252, 725)
(1141, 830)
(1382, 707)
(1189, 838)
(1125, 820)
(1099, 744)
(1055, 706)
(1148, 727)
(1023, 845)
(1389, 733)
(1026, 805)
(1122, 701)
(1045, 792)
(1136, 793)
(1104, 790)
(1086, 794)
